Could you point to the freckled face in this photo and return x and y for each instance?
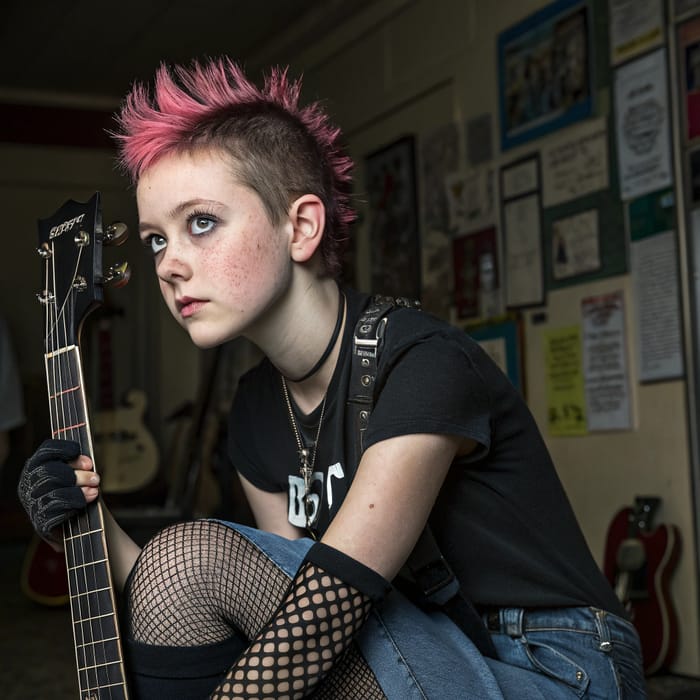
(220, 263)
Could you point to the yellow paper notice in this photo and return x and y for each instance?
(566, 401)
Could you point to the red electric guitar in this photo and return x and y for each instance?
(639, 562)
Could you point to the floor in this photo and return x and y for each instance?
(36, 645)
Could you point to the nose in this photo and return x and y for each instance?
(172, 264)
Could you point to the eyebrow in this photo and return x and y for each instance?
(177, 210)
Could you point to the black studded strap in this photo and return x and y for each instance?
(427, 571)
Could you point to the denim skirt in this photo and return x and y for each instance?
(416, 654)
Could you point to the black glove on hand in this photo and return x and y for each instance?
(47, 486)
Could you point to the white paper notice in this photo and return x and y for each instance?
(642, 124)
(635, 27)
(523, 252)
(575, 163)
(575, 248)
(654, 268)
(605, 363)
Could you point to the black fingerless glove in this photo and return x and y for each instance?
(47, 487)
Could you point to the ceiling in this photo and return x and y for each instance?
(91, 52)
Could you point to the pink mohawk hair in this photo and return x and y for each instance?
(196, 106)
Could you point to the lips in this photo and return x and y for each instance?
(188, 306)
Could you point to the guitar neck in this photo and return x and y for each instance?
(101, 672)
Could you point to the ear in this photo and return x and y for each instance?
(308, 218)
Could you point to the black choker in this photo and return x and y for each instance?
(331, 342)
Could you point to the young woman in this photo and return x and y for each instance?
(243, 199)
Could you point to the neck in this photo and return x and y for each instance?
(308, 316)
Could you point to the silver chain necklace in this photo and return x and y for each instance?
(306, 459)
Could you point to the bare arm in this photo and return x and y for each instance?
(390, 499)
(270, 510)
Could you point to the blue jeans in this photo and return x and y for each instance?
(547, 654)
(418, 655)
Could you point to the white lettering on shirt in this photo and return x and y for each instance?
(335, 470)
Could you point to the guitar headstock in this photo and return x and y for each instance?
(643, 513)
(70, 244)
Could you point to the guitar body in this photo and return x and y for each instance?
(639, 563)
(654, 615)
(125, 451)
(44, 578)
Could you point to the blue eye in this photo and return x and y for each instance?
(199, 224)
(155, 243)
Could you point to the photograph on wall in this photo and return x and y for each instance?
(393, 219)
(642, 125)
(689, 59)
(544, 71)
(636, 26)
(475, 273)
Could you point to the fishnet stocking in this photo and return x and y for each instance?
(313, 627)
(198, 583)
(195, 581)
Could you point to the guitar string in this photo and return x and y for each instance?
(52, 342)
(62, 412)
(70, 404)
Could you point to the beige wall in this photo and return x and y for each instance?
(412, 66)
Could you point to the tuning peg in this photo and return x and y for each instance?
(116, 233)
(118, 275)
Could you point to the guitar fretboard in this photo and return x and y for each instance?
(99, 658)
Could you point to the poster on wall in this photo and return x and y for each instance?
(689, 59)
(654, 268)
(605, 362)
(470, 200)
(575, 245)
(544, 72)
(393, 219)
(636, 26)
(642, 125)
(575, 163)
(475, 259)
(522, 233)
(566, 405)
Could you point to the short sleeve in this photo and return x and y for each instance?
(432, 387)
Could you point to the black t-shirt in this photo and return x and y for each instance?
(501, 519)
